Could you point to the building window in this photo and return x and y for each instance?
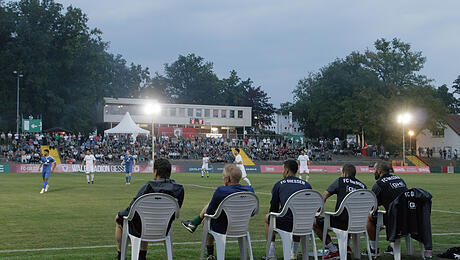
(172, 111)
(182, 112)
(240, 113)
(232, 113)
(223, 113)
(215, 113)
(207, 113)
(438, 133)
(190, 112)
(198, 112)
(164, 112)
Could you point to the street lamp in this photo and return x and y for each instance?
(18, 76)
(410, 133)
(152, 109)
(404, 119)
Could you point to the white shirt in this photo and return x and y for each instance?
(238, 159)
(89, 160)
(205, 161)
(303, 159)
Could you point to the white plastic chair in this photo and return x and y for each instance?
(239, 207)
(155, 211)
(305, 205)
(397, 244)
(359, 204)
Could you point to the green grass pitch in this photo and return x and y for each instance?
(75, 220)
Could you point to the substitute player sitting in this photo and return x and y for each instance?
(129, 162)
(303, 162)
(47, 162)
(90, 164)
(345, 184)
(239, 163)
(204, 166)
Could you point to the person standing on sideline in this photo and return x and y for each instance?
(239, 163)
(302, 160)
(129, 162)
(46, 161)
(90, 161)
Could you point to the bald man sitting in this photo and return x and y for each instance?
(232, 177)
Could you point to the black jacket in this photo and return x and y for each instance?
(410, 213)
(166, 186)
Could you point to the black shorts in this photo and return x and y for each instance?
(339, 222)
(374, 218)
(283, 223)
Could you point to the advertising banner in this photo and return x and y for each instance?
(314, 168)
(4, 168)
(411, 169)
(30, 168)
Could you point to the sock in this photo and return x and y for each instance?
(308, 177)
(127, 179)
(197, 221)
(142, 255)
(295, 247)
(332, 247)
(87, 177)
(202, 173)
(44, 184)
(92, 176)
(247, 180)
(118, 255)
(271, 251)
(373, 244)
(210, 249)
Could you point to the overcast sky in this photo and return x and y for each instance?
(274, 42)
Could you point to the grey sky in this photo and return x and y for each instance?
(274, 42)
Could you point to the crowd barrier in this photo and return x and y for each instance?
(213, 168)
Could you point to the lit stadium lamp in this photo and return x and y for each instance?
(411, 133)
(404, 119)
(152, 109)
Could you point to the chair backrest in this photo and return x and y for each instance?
(305, 205)
(359, 204)
(239, 207)
(155, 211)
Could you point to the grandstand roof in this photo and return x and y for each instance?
(454, 122)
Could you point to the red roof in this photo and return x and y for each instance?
(454, 122)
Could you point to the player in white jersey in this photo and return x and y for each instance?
(90, 164)
(204, 166)
(239, 162)
(303, 162)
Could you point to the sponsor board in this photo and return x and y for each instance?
(314, 168)
(4, 168)
(411, 169)
(219, 168)
(30, 168)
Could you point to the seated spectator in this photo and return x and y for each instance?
(340, 187)
(281, 191)
(161, 184)
(386, 188)
(232, 177)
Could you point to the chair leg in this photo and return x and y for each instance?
(397, 249)
(204, 239)
(269, 238)
(243, 248)
(315, 250)
(168, 246)
(135, 247)
(356, 245)
(409, 247)
(368, 246)
(286, 239)
(342, 236)
(251, 257)
(124, 242)
(220, 246)
(422, 249)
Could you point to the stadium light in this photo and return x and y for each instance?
(410, 133)
(404, 119)
(18, 75)
(153, 108)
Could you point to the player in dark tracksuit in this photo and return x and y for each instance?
(386, 188)
(281, 191)
(341, 187)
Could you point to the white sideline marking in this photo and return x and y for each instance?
(446, 211)
(157, 244)
(213, 188)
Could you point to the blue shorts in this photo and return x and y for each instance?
(128, 171)
(46, 174)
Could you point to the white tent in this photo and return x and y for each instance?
(126, 126)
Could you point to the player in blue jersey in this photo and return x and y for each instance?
(48, 164)
(129, 163)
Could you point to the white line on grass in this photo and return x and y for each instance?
(446, 211)
(156, 244)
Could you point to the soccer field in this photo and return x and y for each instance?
(75, 220)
